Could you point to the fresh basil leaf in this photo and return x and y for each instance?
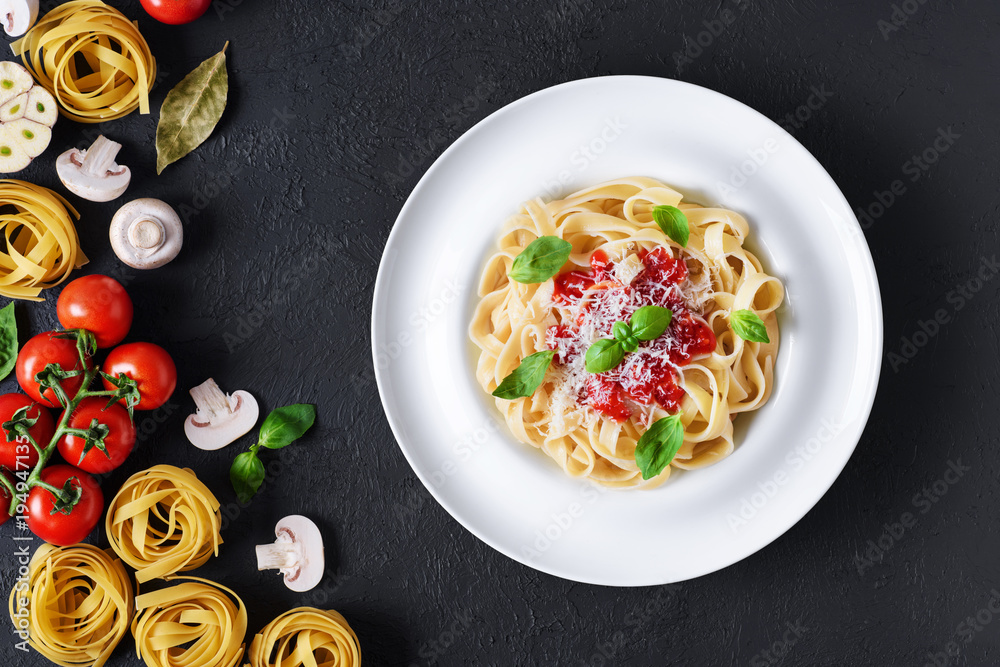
(604, 355)
(8, 340)
(246, 475)
(621, 331)
(748, 326)
(286, 425)
(659, 445)
(526, 378)
(674, 223)
(541, 260)
(649, 322)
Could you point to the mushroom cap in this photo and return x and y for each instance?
(91, 188)
(18, 16)
(154, 226)
(209, 437)
(309, 571)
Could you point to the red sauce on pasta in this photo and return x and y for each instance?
(648, 374)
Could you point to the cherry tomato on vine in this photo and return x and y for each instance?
(19, 456)
(59, 528)
(40, 351)
(118, 442)
(175, 12)
(99, 304)
(150, 366)
(5, 499)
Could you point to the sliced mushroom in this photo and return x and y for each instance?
(297, 553)
(93, 173)
(18, 16)
(146, 233)
(220, 418)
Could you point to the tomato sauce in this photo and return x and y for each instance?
(648, 375)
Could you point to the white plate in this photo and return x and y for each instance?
(716, 151)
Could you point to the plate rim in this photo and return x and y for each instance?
(854, 431)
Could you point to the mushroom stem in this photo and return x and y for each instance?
(211, 401)
(284, 554)
(146, 234)
(100, 156)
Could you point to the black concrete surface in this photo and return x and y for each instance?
(337, 108)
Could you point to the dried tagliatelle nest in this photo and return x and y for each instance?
(42, 246)
(163, 521)
(303, 637)
(92, 59)
(27, 114)
(75, 606)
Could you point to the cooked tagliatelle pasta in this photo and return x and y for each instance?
(162, 521)
(92, 59)
(194, 623)
(306, 637)
(76, 604)
(621, 260)
(42, 246)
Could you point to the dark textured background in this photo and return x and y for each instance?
(337, 108)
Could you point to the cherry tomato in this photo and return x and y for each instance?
(59, 528)
(40, 351)
(19, 455)
(119, 440)
(99, 304)
(175, 12)
(5, 499)
(150, 366)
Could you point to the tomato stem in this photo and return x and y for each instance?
(90, 372)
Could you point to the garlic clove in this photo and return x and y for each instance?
(14, 109)
(12, 155)
(33, 137)
(41, 107)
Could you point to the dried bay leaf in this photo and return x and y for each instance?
(191, 110)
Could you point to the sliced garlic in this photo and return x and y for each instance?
(41, 107)
(14, 109)
(27, 113)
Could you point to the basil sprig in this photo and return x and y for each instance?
(8, 340)
(541, 260)
(647, 323)
(525, 379)
(747, 325)
(674, 223)
(659, 445)
(281, 428)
